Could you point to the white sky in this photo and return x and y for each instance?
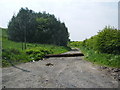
(84, 18)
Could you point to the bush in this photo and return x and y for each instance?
(103, 49)
(37, 53)
(108, 41)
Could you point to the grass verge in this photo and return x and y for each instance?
(13, 54)
(109, 60)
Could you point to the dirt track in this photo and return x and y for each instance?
(60, 72)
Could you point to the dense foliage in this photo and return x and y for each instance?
(44, 28)
(107, 41)
(103, 48)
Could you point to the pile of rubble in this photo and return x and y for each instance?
(114, 72)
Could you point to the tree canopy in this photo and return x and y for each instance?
(29, 26)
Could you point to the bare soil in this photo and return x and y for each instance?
(57, 72)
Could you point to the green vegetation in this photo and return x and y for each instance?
(103, 59)
(30, 36)
(12, 52)
(42, 28)
(107, 41)
(103, 49)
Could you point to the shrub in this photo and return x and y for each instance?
(103, 49)
(108, 41)
(37, 53)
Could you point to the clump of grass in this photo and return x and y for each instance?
(13, 56)
(37, 53)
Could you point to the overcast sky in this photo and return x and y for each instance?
(83, 18)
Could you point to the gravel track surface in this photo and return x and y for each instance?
(60, 72)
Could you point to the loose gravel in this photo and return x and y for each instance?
(60, 72)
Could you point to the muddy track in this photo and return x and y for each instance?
(57, 72)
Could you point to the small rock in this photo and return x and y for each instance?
(116, 70)
(46, 80)
(114, 74)
(103, 67)
(49, 64)
(4, 87)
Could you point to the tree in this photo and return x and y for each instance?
(28, 26)
(20, 26)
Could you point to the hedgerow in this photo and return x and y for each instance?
(103, 48)
(107, 41)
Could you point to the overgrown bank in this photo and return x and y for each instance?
(103, 49)
(12, 52)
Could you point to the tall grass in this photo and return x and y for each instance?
(12, 52)
(109, 60)
(104, 59)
